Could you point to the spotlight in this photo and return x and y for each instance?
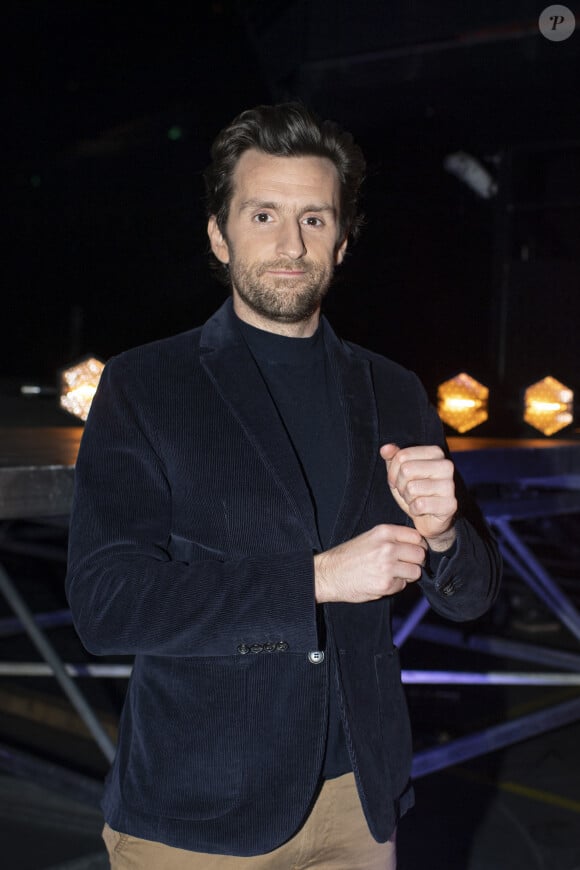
(78, 385)
(548, 406)
(469, 170)
(462, 402)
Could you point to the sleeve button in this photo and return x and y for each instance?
(256, 648)
(281, 646)
(243, 649)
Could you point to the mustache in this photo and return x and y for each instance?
(285, 266)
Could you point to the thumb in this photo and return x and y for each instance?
(388, 452)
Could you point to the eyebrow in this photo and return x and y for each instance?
(277, 206)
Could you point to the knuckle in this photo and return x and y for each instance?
(388, 549)
(377, 533)
(383, 532)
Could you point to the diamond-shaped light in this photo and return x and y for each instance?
(78, 385)
(462, 402)
(548, 405)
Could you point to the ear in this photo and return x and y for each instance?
(341, 251)
(218, 244)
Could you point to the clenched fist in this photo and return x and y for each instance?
(421, 481)
(379, 562)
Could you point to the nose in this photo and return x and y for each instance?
(290, 242)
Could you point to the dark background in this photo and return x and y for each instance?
(110, 110)
(108, 114)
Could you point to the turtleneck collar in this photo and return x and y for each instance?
(271, 347)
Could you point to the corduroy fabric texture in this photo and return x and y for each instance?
(191, 547)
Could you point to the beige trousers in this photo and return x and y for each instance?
(334, 837)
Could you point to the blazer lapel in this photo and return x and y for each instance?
(230, 365)
(360, 413)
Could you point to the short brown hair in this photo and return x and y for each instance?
(285, 130)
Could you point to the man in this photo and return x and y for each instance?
(250, 498)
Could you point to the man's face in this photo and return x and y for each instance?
(282, 239)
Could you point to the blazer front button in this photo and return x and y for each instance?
(316, 656)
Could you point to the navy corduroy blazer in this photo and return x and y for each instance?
(191, 547)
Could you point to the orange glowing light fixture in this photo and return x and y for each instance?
(78, 385)
(462, 402)
(548, 406)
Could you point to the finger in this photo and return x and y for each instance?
(404, 474)
(433, 506)
(428, 487)
(408, 457)
(408, 556)
(410, 464)
(407, 572)
(419, 451)
(398, 534)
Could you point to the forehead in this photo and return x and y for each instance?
(305, 179)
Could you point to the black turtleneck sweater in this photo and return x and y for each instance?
(297, 374)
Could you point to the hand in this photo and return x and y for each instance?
(379, 562)
(421, 481)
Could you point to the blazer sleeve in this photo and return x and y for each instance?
(462, 584)
(127, 593)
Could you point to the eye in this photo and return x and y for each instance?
(312, 221)
(262, 217)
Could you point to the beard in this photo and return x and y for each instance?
(285, 300)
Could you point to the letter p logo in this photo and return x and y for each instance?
(557, 23)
